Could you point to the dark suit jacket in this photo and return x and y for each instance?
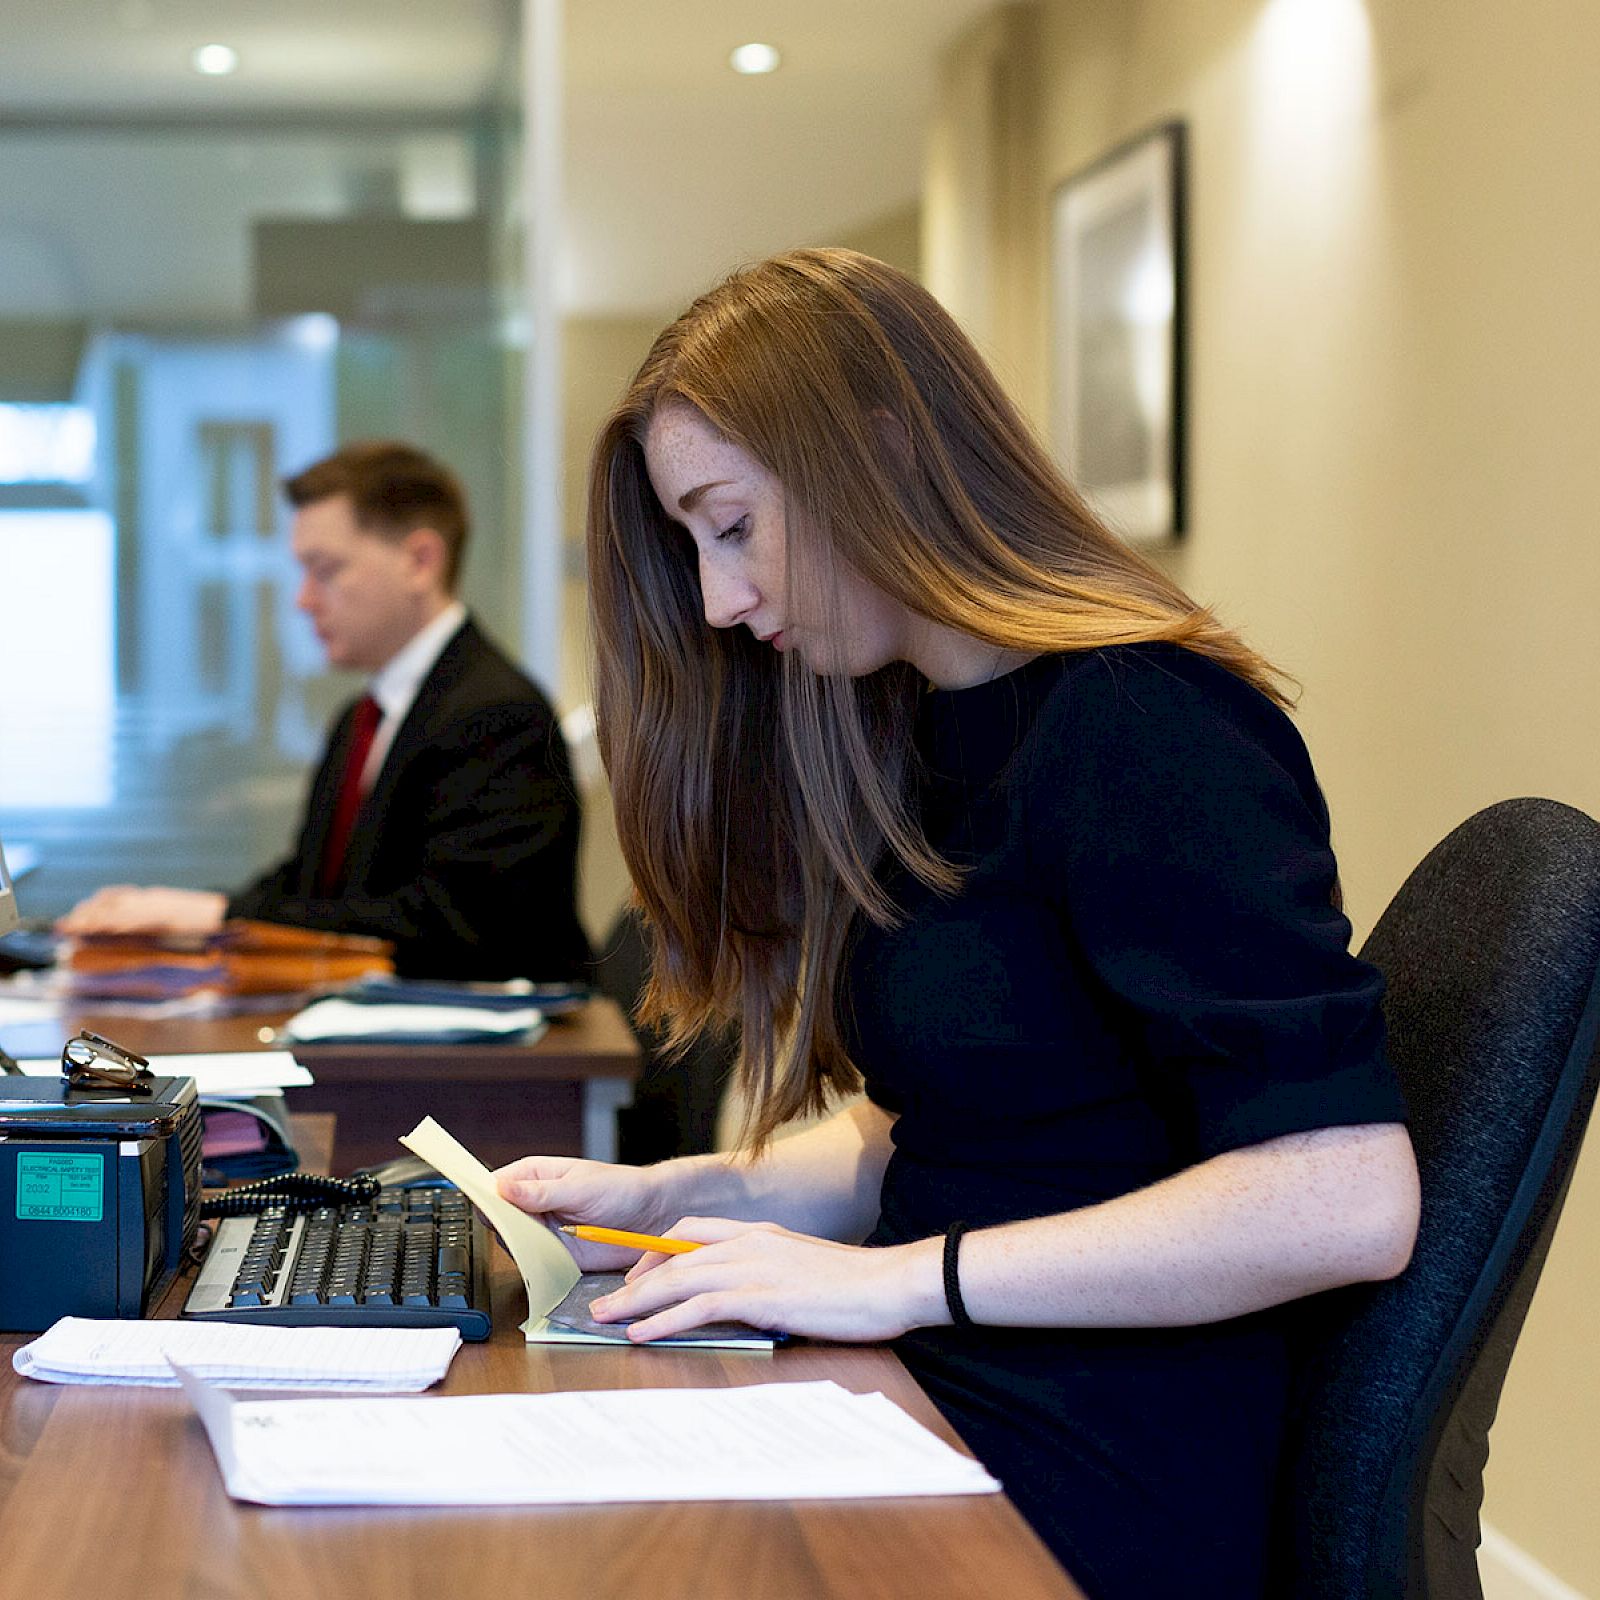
(465, 850)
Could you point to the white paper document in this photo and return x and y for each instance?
(337, 1021)
(239, 1356)
(22, 1009)
(771, 1441)
(235, 1073)
(549, 1273)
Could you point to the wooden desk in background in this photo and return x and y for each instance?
(115, 1493)
(558, 1096)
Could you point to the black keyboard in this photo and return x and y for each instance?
(411, 1258)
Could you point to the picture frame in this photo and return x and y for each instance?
(1117, 383)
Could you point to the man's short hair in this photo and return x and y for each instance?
(394, 489)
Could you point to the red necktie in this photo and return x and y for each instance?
(363, 725)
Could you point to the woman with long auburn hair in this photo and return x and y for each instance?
(935, 788)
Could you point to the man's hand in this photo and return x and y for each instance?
(123, 908)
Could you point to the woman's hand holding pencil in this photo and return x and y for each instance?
(578, 1197)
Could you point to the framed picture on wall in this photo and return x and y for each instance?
(1117, 356)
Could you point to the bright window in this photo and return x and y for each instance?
(57, 649)
(46, 444)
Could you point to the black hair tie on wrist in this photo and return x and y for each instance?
(952, 1275)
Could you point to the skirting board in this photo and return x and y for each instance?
(1510, 1573)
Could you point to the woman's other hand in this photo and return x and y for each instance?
(774, 1279)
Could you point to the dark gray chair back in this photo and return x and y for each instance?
(1491, 950)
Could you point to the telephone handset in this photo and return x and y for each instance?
(294, 1191)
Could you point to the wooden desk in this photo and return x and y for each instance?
(115, 1493)
(558, 1096)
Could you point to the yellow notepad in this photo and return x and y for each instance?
(549, 1273)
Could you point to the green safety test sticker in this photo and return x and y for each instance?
(60, 1188)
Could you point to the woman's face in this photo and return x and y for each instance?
(733, 509)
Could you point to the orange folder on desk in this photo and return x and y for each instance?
(242, 957)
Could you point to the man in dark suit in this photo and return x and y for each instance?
(443, 815)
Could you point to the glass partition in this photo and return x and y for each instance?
(187, 313)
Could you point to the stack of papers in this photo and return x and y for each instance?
(772, 1441)
(240, 1356)
(346, 1022)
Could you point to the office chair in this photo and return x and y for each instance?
(1490, 950)
(675, 1102)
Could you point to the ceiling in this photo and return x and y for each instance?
(676, 166)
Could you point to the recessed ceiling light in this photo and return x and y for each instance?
(754, 58)
(215, 60)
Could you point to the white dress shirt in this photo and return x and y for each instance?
(394, 685)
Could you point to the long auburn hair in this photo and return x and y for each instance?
(755, 799)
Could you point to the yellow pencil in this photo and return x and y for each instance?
(637, 1241)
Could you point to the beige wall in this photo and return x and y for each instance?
(600, 355)
(982, 248)
(896, 238)
(1395, 398)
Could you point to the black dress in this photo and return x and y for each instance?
(1144, 968)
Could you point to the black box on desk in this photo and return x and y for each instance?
(99, 1197)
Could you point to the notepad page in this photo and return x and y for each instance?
(239, 1355)
(548, 1270)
